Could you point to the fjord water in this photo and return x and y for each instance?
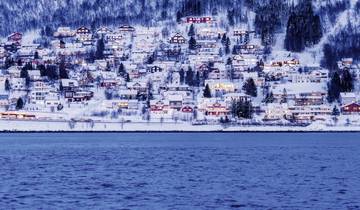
(180, 171)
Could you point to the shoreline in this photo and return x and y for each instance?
(174, 131)
(21, 126)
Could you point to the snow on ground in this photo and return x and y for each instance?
(30, 36)
(313, 55)
(43, 126)
(309, 57)
(348, 15)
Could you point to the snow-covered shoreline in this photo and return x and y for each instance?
(64, 126)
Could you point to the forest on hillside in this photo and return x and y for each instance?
(305, 22)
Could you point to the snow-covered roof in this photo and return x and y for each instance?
(34, 73)
(175, 97)
(296, 88)
(127, 92)
(347, 95)
(69, 83)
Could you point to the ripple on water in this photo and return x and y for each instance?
(204, 175)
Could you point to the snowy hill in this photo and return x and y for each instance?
(23, 15)
(19, 15)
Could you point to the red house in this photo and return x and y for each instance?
(15, 37)
(187, 109)
(352, 108)
(159, 107)
(199, 20)
(217, 109)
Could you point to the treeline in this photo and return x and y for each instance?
(340, 82)
(329, 11)
(303, 28)
(269, 18)
(345, 44)
(20, 15)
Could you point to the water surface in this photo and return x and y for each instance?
(180, 171)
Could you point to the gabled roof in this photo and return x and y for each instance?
(126, 28)
(351, 104)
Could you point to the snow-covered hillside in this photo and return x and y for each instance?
(24, 15)
(21, 15)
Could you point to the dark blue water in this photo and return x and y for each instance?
(179, 171)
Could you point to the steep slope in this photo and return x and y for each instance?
(346, 22)
(21, 15)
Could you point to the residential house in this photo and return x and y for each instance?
(103, 31)
(275, 111)
(109, 83)
(177, 39)
(35, 75)
(221, 87)
(351, 108)
(198, 20)
(186, 112)
(38, 96)
(175, 101)
(231, 97)
(218, 72)
(209, 33)
(160, 109)
(78, 95)
(4, 101)
(308, 113)
(127, 94)
(217, 109)
(52, 100)
(348, 98)
(63, 32)
(141, 87)
(14, 71)
(303, 94)
(207, 47)
(3, 52)
(126, 29)
(69, 84)
(15, 38)
(18, 84)
(84, 35)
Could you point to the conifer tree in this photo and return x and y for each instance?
(191, 30)
(7, 85)
(182, 76)
(250, 87)
(197, 79)
(334, 88)
(121, 71)
(335, 111)
(63, 74)
(25, 74)
(19, 104)
(347, 81)
(207, 91)
(192, 44)
(189, 77)
(100, 47)
(227, 46)
(178, 16)
(303, 28)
